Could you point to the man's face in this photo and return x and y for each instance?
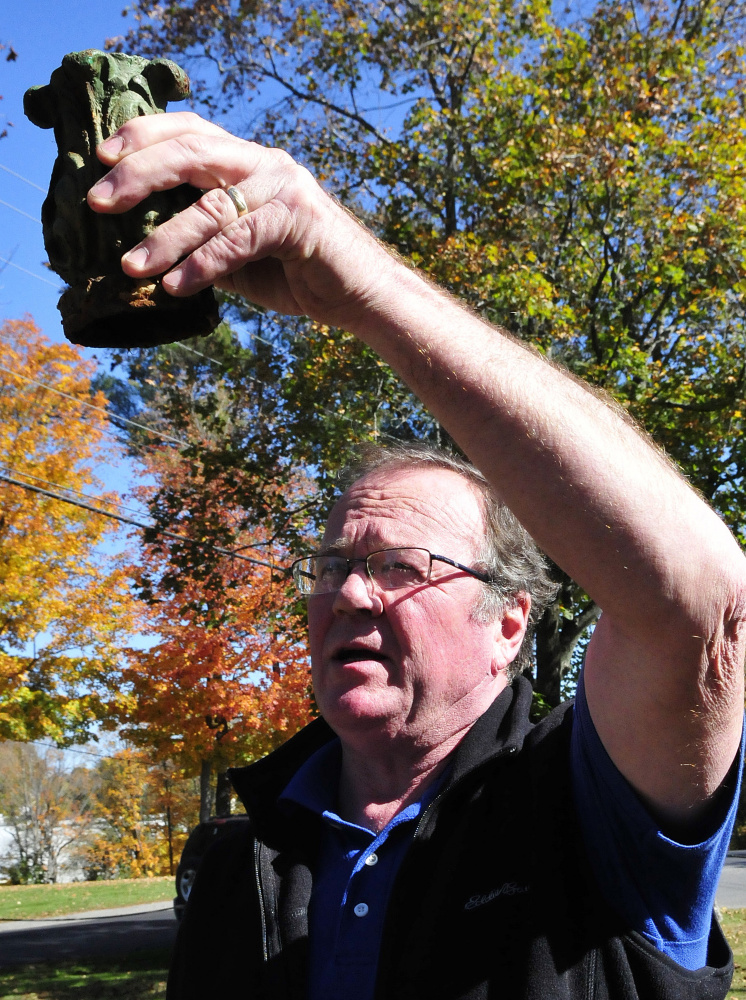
(412, 664)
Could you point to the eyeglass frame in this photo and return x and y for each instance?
(433, 557)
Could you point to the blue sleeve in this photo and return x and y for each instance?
(663, 889)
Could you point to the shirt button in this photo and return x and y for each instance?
(361, 909)
(371, 860)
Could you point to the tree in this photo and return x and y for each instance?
(46, 808)
(63, 605)
(581, 182)
(123, 841)
(227, 676)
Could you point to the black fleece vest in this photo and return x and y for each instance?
(495, 898)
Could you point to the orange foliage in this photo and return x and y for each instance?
(228, 677)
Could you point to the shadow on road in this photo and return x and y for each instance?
(29, 941)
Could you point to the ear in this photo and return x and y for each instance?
(510, 630)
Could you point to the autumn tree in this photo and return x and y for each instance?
(226, 678)
(578, 179)
(215, 693)
(64, 607)
(46, 807)
(123, 840)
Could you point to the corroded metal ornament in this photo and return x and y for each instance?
(88, 98)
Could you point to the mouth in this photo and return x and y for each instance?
(348, 655)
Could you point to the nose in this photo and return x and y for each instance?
(358, 594)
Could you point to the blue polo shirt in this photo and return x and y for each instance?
(664, 889)
(352, 882)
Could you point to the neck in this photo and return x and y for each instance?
(374, 788)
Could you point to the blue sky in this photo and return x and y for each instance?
(41, 32)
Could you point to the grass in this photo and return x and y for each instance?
(734, 926)
(139, 977)
(23, 902)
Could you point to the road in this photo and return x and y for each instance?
(87, 935)
(732, 886)
(119, 932)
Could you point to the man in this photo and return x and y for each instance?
(424, 841)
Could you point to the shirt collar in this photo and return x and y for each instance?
(315, 784)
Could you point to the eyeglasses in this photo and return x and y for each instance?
(389, 569)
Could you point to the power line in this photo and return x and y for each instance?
(150, 430)
(20, 211)
(199, 354)
(86, 753)
(92, 406)
(137, 524)
(18, 267)
(69, 489)
(22, 178)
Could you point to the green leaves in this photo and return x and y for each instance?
(582, 183)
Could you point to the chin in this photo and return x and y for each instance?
(354, 710)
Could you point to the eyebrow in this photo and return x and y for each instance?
(335, 548)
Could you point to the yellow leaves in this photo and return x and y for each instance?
(52, 582)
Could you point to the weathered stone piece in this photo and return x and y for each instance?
(88, 97)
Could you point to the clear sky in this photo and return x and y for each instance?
(41, 32)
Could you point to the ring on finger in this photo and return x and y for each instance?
(239, 202)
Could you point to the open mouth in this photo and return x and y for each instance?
(345, 656)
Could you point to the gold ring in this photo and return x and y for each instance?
(238, 200)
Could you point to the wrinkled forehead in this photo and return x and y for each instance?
(434, 508)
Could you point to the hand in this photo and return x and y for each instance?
(296, 251)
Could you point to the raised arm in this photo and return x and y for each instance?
(664, 671)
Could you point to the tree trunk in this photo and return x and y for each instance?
(551, 659)
(204, 791)
(223, 795)
(557, 635)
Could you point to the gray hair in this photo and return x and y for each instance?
(507, 552)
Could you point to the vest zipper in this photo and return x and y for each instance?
(260, 894)
(504, 752)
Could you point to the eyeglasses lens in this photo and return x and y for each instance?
(391, 569)
(394, 569)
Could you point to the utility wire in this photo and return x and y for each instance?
(20, 211)
(69, 489)
(199, 354)
(86, 753)
(136, 524)
(129, 761)
(92, 406)
(18, 267)
(22, 178)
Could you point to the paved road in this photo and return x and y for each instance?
(119, 932)
(732, 886)
(87, 935)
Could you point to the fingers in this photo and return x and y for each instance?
(141, 132)
(159, 152)
(190, 158)
(178, 237)
(210, 251)
(289, 252)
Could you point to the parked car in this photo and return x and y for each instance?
(200, 839)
